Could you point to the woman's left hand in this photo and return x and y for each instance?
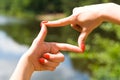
(40, 51)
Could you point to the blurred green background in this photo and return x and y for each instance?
(102, 56)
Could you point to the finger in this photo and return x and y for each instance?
(43, 32)
(58, 57)
(76, 27)
(83, 35)
(60, 22)
(67, 47)
(81, 40)
(49, 62)
(49, 68)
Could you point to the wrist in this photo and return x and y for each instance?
(28, 67)
(108, 14)
(23, 70)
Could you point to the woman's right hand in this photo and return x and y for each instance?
(85, 19)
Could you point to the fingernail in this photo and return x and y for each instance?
(83, 46)
(43, 22)
(46, 56)
(42, 60)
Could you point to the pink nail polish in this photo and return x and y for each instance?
(83, 46)
(42, 60)
(43, 22)
(46, 56)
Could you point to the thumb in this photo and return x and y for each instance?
(81, 40)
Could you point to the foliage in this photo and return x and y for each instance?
(19, 8)
(101, 59)
(22, 33)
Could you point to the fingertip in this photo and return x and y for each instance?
(82, 47)
(43, 32)
(43, 22)
(42, 60)
(60, 22)
(81, 40)
(47, 56)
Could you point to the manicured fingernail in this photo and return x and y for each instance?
(46, 56)
(43, 22)
(42, 60)
(83, 46)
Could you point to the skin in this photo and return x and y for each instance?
(30, 61)
(85, 19)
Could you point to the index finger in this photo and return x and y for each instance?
(43, 32)
(60, 22)
(67, 47)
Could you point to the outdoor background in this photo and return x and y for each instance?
(19, 25)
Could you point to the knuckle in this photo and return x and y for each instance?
(62, 58)
(56, 64)
(52, 68)
(72, 25)
(73, 17)
(75, 9)
(35, 40)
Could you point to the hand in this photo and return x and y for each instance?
(41, 56)
(50, 61)
(39, 47)
(86, 19)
